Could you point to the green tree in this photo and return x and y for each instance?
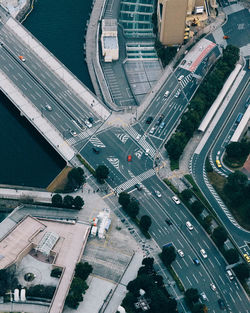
(219, 236)
(133, 208)
(196, 208)
(232, 256)
(145, 222)
(83, 270)
(242, 272)
(207, 222)
(175, 145)
(56, 272)
(75, 179)
(129, 301)
(186, 194)
(102, 173)
(68, 201)
(148, 262)
(78, 202)
(124, 199)
(198, 308)
(191, 296)
(168, 255)
(56, 200)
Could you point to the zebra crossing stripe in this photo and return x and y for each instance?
(97, 142)
(122, 137)
(114, 162)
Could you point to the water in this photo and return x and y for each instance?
(26, 159)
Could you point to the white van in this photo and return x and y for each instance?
(230, 274)
(166, 94)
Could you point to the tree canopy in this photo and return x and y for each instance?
(219, 236)
(168, 255)
(145, 222)
(101, 173)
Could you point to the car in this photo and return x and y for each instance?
(146, 151)
(196, 261)
(129, 158)
(162, 125)
(161, 117)
(176, 200)
(189, 225)
(180, 78)
(203, 296)
(168, 222)
(158, 194)
(96, 150)
(178, 92)
(181, 253)
(138, 137)
(166, 94)
(91, 120)
(189, 63)
(87, 123)
(203, 253)
(183, 62)
(230, 274)
(247, 258)
(22, 58)
(152, 130)
(73, 133)
(218, 163)
(138, 187)
(221, 304)
(48, 107)
(212, 286)
(149, 120)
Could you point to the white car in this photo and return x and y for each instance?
(176, 200)
(158, 194)
(212, 286)
(87, 123)
(152, 130)
(181, 253)
(73, 133)
(180, 78)
(146, 151)
(203, 253)
(189, 225)
(203, 296)
(138, 137)
(48, 107)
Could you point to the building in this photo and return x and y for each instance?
(174, 15)
(109, 40)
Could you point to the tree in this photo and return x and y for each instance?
(145, 222)
(219, 236)
(196, 208)
(232, 256)
(191, 296)
(56, 272)
(242, 272)
(128, 301)
(199, 308)
(101, 173)
(75, 179)
(124, 199)
(237, 150)
(56, 200)
(175, 145)
(83, 270)
(148, 262)
(207, 222)
(168, 255)
(68, 201)
(78, 202)
(186, 194)
(133, 208)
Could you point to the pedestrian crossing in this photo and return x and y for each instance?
(115, 162)
(83, 135)
(139, 154)
(186, 80)
(134, 180)
(142, 141)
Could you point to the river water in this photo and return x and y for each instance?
(26, 159)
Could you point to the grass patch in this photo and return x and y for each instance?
(86, 164)
(171, 186)
(176, 279)
(174, 164)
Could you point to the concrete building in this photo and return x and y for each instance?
(171, 16)
(109, 40)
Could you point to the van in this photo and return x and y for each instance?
(230, 274)
(166, 94)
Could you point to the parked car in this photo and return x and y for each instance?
(168, 222)
(196, 261)
(247, 258)
(48, 107)
(73, 133)
(203, 296)
(189, 225)
(176, 200)
(158, 194)
(181, 253)
(203, 253)
(218, 163)
(149, 120)
(129, 158)
(87, 123)
(212, 286)
(152, 130)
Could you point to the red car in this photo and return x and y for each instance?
(129, 158)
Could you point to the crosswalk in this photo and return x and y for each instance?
(135, 180)
(186, 80)
(142, 141)
(83, 135)
(97, 142)
(123, 137)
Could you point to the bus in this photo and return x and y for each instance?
(239, 117)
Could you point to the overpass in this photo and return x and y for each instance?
(44, 91)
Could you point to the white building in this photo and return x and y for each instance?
(109, 40)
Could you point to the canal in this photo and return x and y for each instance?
(26, 159)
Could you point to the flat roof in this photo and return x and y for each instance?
(110, 42)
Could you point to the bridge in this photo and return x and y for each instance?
(52, 99)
